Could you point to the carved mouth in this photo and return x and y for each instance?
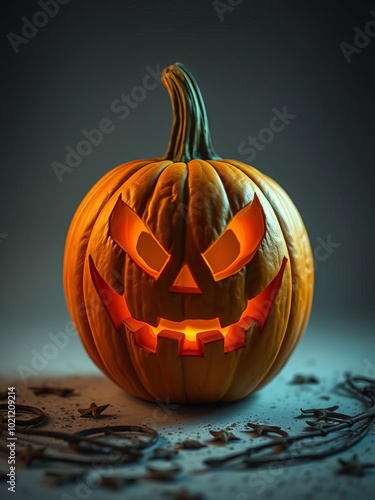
(191, 334)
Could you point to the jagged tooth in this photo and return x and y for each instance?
(211, 342)
(133, 324)
(169, 343)
(145, 338)
(235, 339)
(247, 322)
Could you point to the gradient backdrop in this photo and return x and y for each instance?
(250, 57)
(249, 60)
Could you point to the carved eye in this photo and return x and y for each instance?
(237, 245)
(130, 232)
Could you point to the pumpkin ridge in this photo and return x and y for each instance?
(305, 244)
(253, 179)
(255, 176)
(254, 263)
(135, 183)
(206, 166)
(228, 184)
(79, 215)
(113, 337)
(152, 217)
(306, 298)
(146, 213)
(108, 197)
(244, 351)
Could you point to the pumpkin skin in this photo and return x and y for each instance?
(189, 278)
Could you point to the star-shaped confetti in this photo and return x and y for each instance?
(224, 435)
(94, 411)
(354, 467)
(328, 415)
(318, 425)
(300, 378)
(262, 429)
(63, 392)
(191, 444)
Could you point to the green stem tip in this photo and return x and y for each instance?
(190, 136)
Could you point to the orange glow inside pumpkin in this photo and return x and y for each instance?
(133, 236)
(192, 333)
(238, 243)
(185, 282)
(233, 249)
(190, 327)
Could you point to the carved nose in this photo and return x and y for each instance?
(185, 282)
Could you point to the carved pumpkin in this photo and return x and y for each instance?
(189, 277)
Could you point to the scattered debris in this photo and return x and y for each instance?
(163, 453)
(94, 411)
(113, 482)
(162, 471)
(224, 435)
(354, 467)
(191, 444)
(299, 378)
(63, 392)
(262, 429)
(344, 431)
(183, 494)
(347, 429)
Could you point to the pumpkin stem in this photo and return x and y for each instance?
(190, 136)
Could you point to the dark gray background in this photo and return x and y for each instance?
(263, 55)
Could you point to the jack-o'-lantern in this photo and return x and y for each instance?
(189, 277)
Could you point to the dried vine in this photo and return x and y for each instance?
(294, 449)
